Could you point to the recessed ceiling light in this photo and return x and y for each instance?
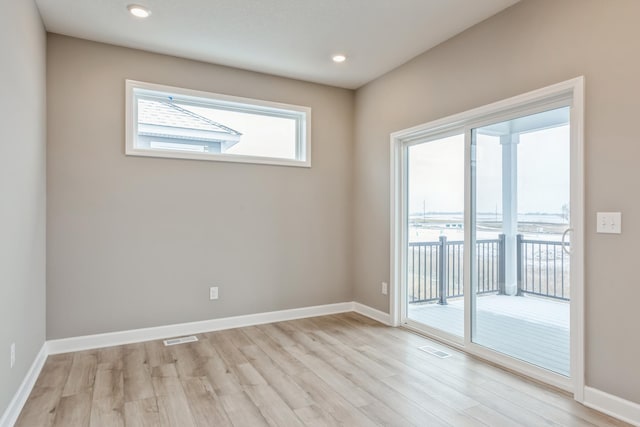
(339, 58)
(139, 11)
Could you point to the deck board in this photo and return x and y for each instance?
(532, 329)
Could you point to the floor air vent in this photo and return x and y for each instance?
(182, 340)
(439, 353)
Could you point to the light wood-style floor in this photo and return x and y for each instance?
(333, 370)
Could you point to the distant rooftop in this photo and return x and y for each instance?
(164, 113)
(167, 120)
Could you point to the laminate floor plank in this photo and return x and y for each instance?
(190, 359)
(346, 351)
(157, 354)
(313, 416)
(501, 391)
(173, 405)
(206, 407)
(441, 413)
(281, 337)
(403, 410)
(294, 395)
(338, 383)
(142, 413)
(272, 407)
(223, 344)
(82, 373)
(348, 378)
(331, 402)
(306, 340)
(490, 417)
(55, 372)
(73, 410)
(272, 349)
(337, 370)
(112, 356)
(327, 404)
(107, 406)
(107, 412)
(136, 371)
(42, 404)
(223, 380)
(242, 411)
(40, 409)
(109, 382)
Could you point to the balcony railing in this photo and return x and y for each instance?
(435, 269)
(543, 269)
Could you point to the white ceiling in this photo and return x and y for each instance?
(291, 38)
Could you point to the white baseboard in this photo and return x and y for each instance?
(12, 412)
(372, 313)
(88, 342)
(615, 406)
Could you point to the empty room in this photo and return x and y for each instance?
(297, 213)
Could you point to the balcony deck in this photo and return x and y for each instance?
(529, 328)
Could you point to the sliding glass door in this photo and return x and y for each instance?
(520, 213)
(435, 235)
(487, 237)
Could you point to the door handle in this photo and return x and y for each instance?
(564, 244)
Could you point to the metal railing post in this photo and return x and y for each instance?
(519, 264)
(502, 266)
(442, 267)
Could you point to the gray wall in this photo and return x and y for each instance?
(136, 242)
(530, 45)
(22, 191)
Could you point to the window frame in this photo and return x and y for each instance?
(301, 115)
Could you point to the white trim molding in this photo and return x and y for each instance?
(88, 342)
(12, 412)
(610, 404)
(372, 313)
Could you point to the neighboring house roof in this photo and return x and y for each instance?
(168, 120)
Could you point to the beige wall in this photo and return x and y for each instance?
(533, 44)
(135, 242)
(22, 191)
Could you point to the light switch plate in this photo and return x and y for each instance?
(609, 222)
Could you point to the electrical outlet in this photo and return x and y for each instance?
(13, 354)
(213, 292)
(385, 288)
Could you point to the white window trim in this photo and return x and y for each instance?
(303, 137)
(531, 102)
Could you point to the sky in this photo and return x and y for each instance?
(436, 173)
(261, 135)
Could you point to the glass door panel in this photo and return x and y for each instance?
(520, 174)
(435, 234)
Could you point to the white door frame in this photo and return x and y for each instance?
(570, 92)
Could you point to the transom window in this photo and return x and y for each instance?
(165, 121)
